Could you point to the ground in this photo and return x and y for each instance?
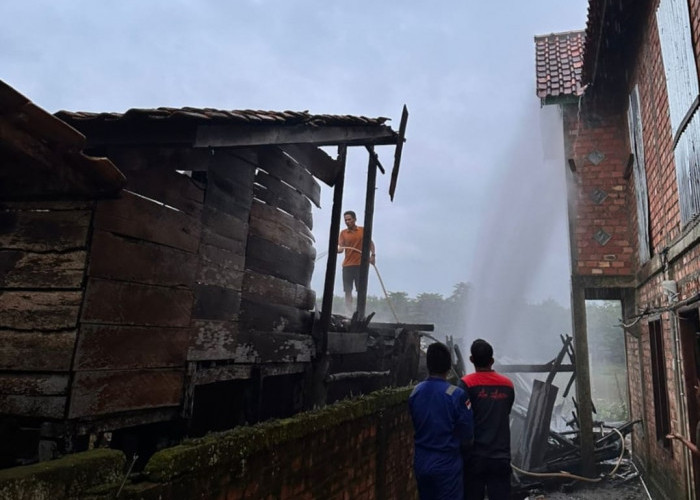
(632, 489)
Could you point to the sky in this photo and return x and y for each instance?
(480, 197)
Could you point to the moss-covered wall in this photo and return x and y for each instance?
(93, 475)
(360, 448)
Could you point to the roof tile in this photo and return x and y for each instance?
(558, 66)
(209, 115)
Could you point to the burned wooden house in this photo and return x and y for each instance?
(155, 268)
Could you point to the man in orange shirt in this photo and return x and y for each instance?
(350, 241)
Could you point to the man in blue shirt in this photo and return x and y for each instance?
(442, 421)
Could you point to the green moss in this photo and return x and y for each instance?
(65, 477)
(233, 447)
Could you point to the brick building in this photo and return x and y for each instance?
(628, 91)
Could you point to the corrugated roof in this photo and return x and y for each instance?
(217, 116)
(559, 64)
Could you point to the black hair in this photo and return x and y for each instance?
(350, 212)
(482, 353)
(438, 359)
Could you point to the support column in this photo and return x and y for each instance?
(367, 236)
(316, 396)
(583, 378)
(336, 214)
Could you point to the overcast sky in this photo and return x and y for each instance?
(477, 200)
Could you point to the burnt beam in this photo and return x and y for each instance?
(546, 368)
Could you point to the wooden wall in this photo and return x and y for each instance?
(276, 301)
(135, 321)
(43, 254)
(199, 270)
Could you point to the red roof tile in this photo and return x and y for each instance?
(559, 64)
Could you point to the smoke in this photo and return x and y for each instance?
(523, 232)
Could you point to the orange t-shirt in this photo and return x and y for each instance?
(352, 239)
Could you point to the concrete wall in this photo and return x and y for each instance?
(354, 449)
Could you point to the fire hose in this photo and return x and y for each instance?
(381, 281)
(575, 476)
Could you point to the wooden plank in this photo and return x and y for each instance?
(212, 340)
(238, 207)
(36, 351)
(274, 347)
(222, 373)
(397, 152)
(33, 384)
(20, 269)
(230, 184)
(136, 217)
(112, 302)
(281, 234)
(104, 392)
(533, 444)
(166, 132)
(265, 288)
(165, 157)
(278, 194)
(224, 224)
(215, 303)
(222, 258)
(31, 310)
(245, 135)
(347, 343)
(102, 347)
(261, 210)
(315, 160)
(420, 327)
(22, 144)
(267, 258)
(41, 231)
(275, 370)
(33, 406)
(275, 162)
(44, 205)
(265, 317)
(138, 261)
(151, 172)
(209, 273)
(212, 239)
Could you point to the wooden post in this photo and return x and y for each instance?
(321, 364)
(583, 378)
(367, 236)
(336, 214)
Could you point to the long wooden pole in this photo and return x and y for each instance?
(583, 378)
(336, 214)
(316, 395)
(367, 235)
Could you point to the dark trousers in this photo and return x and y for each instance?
(486, 475)
(440, 486)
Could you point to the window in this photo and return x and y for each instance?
(658, 376)
(673, 22)
(634, 125)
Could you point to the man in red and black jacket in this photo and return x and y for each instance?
(487, 462)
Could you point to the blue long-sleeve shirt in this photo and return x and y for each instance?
(442, 421)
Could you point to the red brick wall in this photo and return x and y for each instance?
(589, 131)
(360, 449)
(603, 127)
(664, 206)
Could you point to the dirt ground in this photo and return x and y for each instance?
(631, 489)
